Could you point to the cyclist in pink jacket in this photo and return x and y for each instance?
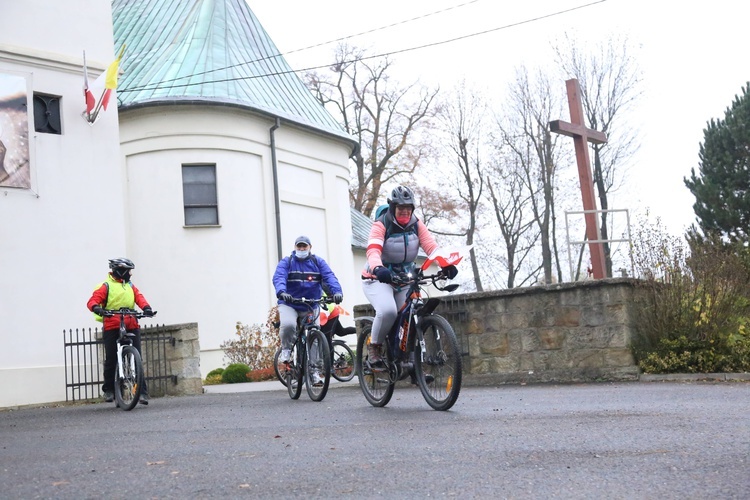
(393, 245)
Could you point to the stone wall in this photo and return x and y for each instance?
(571, 332)
(182, 361)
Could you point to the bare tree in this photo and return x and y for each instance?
(463, 117)
(610, 85)
(437, 205)
(510, 203)
(383, 117)
(524, 134)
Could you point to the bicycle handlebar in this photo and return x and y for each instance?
(127, 312)
(402, 279)
(320, 301)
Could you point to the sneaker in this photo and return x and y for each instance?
(108, 396)
(285, 356)
(374, 359)
(317, 380)
(144, 399)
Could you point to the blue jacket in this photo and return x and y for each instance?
(304, 278)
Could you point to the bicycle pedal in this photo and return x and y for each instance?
(378, 369)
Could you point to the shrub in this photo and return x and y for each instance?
(235, 373)
(254, 345)
(261, 374)
(695, 312)
(214, 379)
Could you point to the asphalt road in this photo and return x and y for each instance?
(627, 440)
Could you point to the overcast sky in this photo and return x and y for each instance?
(693, 56)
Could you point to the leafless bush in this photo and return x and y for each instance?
(696, 295)
(254, 345)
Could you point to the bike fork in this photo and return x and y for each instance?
(120, 369)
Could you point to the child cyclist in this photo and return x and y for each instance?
(116, 292)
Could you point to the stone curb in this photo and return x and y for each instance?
(688, 377)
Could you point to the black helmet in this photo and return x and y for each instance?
(402, 195)
(121, 263)
(121, 268)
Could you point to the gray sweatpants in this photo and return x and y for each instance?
(288, 326)
(386, 301)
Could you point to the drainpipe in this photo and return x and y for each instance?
(277, 203)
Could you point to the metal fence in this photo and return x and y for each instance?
(84, 358)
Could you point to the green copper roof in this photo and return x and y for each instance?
(212, 51)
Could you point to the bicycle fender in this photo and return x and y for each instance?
(428, 307)
(365, 318)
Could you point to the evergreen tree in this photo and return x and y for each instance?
(722, 187)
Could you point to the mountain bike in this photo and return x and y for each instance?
(342, 360)
(342, 356)
(420, 343)
(129, 370)
(311, 357)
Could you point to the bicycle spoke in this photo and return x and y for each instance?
(439, 366)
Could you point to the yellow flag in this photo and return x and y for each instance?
(110, 82)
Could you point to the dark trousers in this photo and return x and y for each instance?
(110, 357)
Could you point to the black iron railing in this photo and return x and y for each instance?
(84, 357)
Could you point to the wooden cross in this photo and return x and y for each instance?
(581, 136)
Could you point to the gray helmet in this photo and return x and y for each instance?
(402, 195)
(121, 263)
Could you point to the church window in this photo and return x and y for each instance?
(47, 114)
(199, 195)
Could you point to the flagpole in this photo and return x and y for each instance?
(86, 86)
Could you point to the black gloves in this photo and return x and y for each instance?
(337, 298)
(285, 297)
(147, 311)
(97, 309)
(449, 272)
(384, 274)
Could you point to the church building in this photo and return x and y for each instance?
(212, 160)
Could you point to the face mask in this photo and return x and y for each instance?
(403, 220)
(122, 274)
(302, 254)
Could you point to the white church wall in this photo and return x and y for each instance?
(218, 276)
(56, 236)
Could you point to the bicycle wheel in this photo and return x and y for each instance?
(294, 372)
(342, 361)
(438, 368)
(128, 386)
(279, 370)
(377, 387)
(317, 365)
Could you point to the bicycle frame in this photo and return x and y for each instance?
(307, 331)
(405, 334)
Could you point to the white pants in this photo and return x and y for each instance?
(386, 301)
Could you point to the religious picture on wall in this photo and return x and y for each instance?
(14, 132)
